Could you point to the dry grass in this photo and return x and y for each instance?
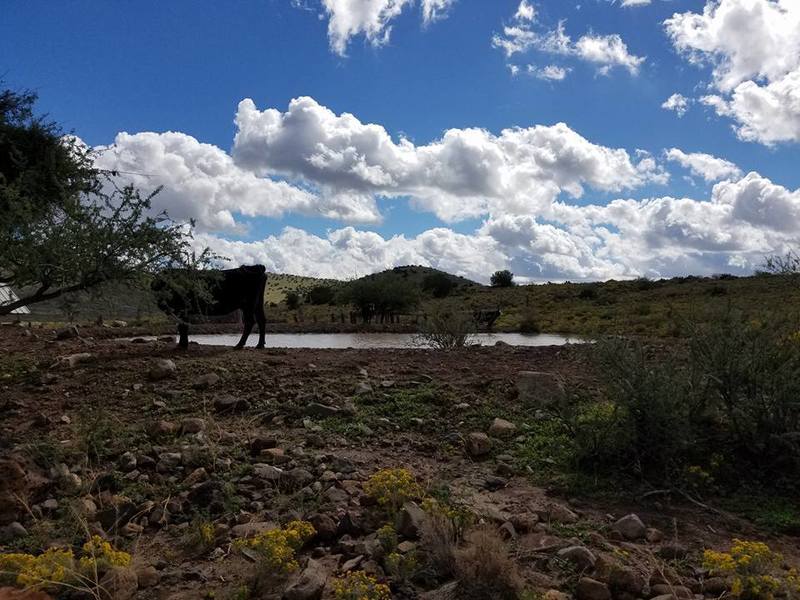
(484, 568)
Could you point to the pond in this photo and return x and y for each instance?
(377, 340)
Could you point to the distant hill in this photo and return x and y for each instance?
(280, 284)
(415, 275)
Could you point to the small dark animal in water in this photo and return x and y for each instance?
(227, 290)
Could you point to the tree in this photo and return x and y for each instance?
(66, 226)
(321, 294)
(292, 300)
(381, 296)
(502, 278)
(439, 284)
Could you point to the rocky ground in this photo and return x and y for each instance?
(174, 455)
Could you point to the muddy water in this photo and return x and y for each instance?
(376, 340)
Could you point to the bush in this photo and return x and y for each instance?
(754, 569)
(321, 294)
(381, 296)
(721, 411)
(439, 284)
(357, 585)
(292, 300)
(447, 330)
(485, 570)
(391, 488)
(276, 548)
(502, 279)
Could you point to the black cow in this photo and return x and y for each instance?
(227, 290)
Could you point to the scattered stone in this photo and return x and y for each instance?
(676, 591)
(580, 556)
(262, 442)
(206, 381)
(591, 589)
(298, 478)
(197, 476)
(50, 505)
(309, 585)
(504, 469)
(449, 591)
(362, 387)
(163, 368)
(478, 444)
(321, 411)
(406, 547)
(539, 389)
(507, 531)
(630, 527)
(11, 532)
(410, 519)
(524, 523)
(267, 472)
(169, 461)
(228, 403)
(558, 513)
(246, 530)
(716, 586)
(500, 428)
(275, 456)
(626, 579)
(493, 483)
(73, 360)
(68, 333)
(127, 462)
(193, 425)
(555, 595)
(326, 527)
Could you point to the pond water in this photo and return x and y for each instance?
(376, 340)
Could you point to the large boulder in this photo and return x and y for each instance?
(309, 584)
(630, 527)
(539, 389)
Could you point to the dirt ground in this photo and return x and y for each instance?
(118, 442)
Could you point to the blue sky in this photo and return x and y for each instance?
(102, 68)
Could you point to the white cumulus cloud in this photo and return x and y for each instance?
(703, 165)
(753, 49)
(677, 103)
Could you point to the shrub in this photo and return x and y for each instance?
(503, 278)
(292, 300)
(57, 569)
(446, 331)
(391, 488)
(277, 547)
(754, 570)
(321, 294)
(485, 570)
(439, 284)
(357, 585)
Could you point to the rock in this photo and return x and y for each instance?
(664, 597)
(351, 564)
(246, 530)
(630, 527)
(262, 442)
(362, 387)
(507, 531)
(626, 579)
(206, 381)
(326, 527)
(127, 462)
(274, 456)
(50, 505)
(67, 333)
(11, 532)
(298, 478)
(73, 360)
(677, 591)
(716, 586)
(267, 472)
(162, 368)
(228, 403)
(494, 483)
(673, 551)
(197, 476)
(449, 591)
(193, 425)
(321, 411)
(555, 595)
(653, 535)
(500, 428)
(478, 444)
(169, 461)
(410, 519)
(148, 576)
(591, 589)
(558, 513)
(309, 585)
(163, 428)
(580, 556)
(119, 583)
(504, 469)
(524, 523)
(539, 389)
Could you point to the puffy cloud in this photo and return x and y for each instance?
(703, 165)
(466, 173)
(605, 51)
(678, 103)
(753, 47)
(349, 252)
(372, 19)
(202, 182)
(548, 73)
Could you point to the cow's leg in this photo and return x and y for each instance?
(249, 321)
(261, 319)
(183, 335)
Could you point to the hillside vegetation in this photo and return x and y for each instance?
(641, 307)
